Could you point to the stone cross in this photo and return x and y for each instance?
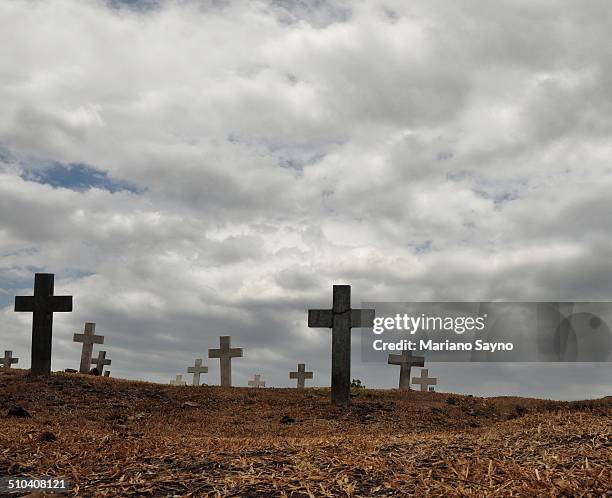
(300, 375)
(341, 318)
(42, 305)
(196, 371)
(406, 361)
(424, 380)
(257, 382)
(178, 381)
(225, 353)
(100, 361)
(88, 338)
(8, 359)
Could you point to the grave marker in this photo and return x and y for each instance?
(300, 375)
(225, 353)
(406, 362)
(8, 359)
(341, 318)
(178, 381)
(100, 362)
(196, 371)
(88, 338)
(42, 305)
(424, 380)
(257, 382)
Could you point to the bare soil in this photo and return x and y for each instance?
(113, 437)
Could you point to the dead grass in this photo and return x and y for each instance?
(123, 438)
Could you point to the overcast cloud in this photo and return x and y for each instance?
(191, 169)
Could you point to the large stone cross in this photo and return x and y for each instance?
(196, 371)
(341, 318)
(42, 305)
(178, 381)
(101, 361)
(406, 362)
(300, 375)
(257, 382)
(424, 380)
(8, 359)
(225, 353)
(88, 338)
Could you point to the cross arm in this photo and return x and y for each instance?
(24, 303)
(362, 318)
(214, 353)
(54, 304)
(92, 339)
(395, 359)
(61, 304)
(192, 370)
(320, 318)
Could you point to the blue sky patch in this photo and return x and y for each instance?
(75, 176)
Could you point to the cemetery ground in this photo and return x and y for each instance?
(114, 437)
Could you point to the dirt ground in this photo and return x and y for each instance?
(113, 437)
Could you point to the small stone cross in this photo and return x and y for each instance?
(178, 381)
(101, 361)
(196, 371)
(406, 362)
(424, 380)
(300, 375)
(8, 359)
(88, 338)
(257, 382)
(225, 353)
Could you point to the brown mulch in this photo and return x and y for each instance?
(112, 437)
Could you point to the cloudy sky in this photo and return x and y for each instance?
(197, 168)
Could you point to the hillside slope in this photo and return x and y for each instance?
(121, 438)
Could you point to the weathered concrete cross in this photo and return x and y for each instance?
(300, 375)
(88, 338)
(406, 362)
(196, 371)
(341, 318)
(257, 382)
(225, 353)
(8, 359)
(42, 305)
(424, 380)
(178, 381)
(100, 361)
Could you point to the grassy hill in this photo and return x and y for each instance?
(114, 437)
